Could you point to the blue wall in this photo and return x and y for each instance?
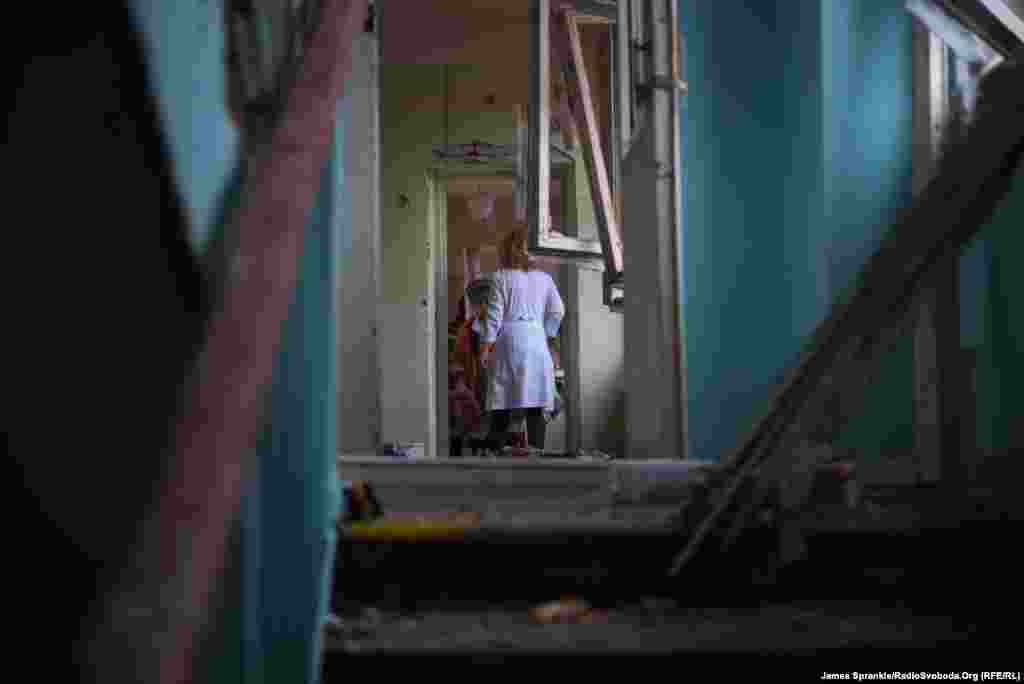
(974, 271)
(737, 301)
(1000, 343)
(185, 42)
(868, 165)
(868, 119)
(796, 152)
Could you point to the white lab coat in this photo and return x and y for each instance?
(524, 309)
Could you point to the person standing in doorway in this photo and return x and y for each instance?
(523, 312)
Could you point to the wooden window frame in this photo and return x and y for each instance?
(559, 26)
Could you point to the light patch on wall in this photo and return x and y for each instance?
(202, 142)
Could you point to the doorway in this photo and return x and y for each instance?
(474, 210)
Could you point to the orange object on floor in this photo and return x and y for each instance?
(566, 611)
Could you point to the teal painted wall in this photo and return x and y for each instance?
(796, 151)
(974, 272)
(1000, 370)
(185, 42)
(868, 128)
(868, 118)
(737, 305)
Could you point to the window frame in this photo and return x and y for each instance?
(605, 253)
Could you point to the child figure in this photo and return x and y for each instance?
(463, 410)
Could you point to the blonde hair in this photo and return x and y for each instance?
(513, 253)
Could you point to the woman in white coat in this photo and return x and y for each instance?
(524, 310)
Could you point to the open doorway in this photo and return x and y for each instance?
(479, 211)
(451, 99)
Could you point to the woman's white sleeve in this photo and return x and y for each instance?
(495, 311)
(554, 310)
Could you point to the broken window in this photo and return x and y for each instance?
(591, 78)
(574, 206)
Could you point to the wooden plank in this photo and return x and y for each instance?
(596, 11)
(1013, 22)
(937, 302)
(951, 31)
(979, 18)
(592, 19)
(540, 128)
(973, 178)
(625, 79)
(566, 42)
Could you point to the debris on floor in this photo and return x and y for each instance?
(361, 502)
(593, 455)
(522, 451)
(651, 625)
(414, 527)
(412, 450)
(566, 611)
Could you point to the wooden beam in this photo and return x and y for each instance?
(1013, 22)
(539, 152)
(935, 337)
(596, 11)
(990, 20)
(591, 19)
(566, 43)
(624, 92)
(967, 45)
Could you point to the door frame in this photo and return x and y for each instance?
(437, 185)
(437, 178)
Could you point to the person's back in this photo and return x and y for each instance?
(529, 295)
(524, 309)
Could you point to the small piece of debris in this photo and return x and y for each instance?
(566, 611)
